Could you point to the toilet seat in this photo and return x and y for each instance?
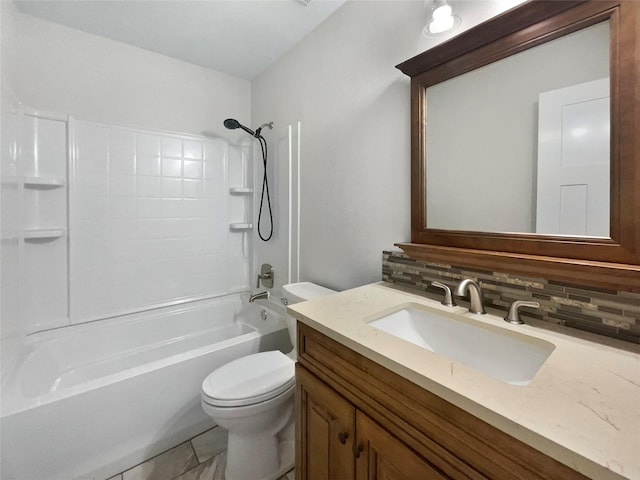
(249, 380)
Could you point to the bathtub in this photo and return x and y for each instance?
(92, 400)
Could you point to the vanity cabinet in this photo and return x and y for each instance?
(341, 442)
(355, 419)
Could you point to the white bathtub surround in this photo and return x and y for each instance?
(146, 228)
(144, 246)
(151, 210)
(11, 329)
(134, 379)
(108, 220)
(34, 218)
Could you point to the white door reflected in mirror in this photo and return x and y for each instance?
(481, 129)
(573, 160)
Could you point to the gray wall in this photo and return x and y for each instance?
(341, 83)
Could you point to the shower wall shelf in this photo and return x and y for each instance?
(44, 182)
(240, 191)
(43, 229)
(239, 185)
(240, 226)
(44, 233)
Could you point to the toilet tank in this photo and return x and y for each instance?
(300, 292)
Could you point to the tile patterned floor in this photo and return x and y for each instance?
(201, 458)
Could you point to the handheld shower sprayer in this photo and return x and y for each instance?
(233, 124)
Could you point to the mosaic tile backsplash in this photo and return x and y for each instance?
(611, 313)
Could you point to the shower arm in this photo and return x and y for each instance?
(269, 125)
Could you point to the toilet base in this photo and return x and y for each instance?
(260, 438)
(244, 468)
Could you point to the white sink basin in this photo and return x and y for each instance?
(506, 355)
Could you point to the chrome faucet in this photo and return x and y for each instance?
(258, 296)
(475, 295)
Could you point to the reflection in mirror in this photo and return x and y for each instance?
(522, 144)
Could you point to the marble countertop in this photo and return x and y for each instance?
(581, 408)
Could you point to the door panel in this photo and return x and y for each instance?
(381, 456)
(325, 431)
(573, 161)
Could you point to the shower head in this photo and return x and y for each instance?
(232, 124)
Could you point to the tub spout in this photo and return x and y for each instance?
(257, 296)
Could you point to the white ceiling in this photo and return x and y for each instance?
(238, 37)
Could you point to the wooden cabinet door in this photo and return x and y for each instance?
(381, 456)
(325, 431)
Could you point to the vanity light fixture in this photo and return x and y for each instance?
(442, 19)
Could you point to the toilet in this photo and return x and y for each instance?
(252, 397)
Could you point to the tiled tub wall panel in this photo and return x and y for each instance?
(606, 312)
(149, 221)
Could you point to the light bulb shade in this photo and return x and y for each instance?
(439, 25)
(442, 19)
(442, 12)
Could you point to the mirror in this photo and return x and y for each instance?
(489, 181)
(522, 144)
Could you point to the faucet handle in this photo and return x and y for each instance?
(514, 316)
(448, 298)
(265, 276)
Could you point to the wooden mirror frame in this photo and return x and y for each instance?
(613, 262)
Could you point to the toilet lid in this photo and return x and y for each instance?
(249, 380)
